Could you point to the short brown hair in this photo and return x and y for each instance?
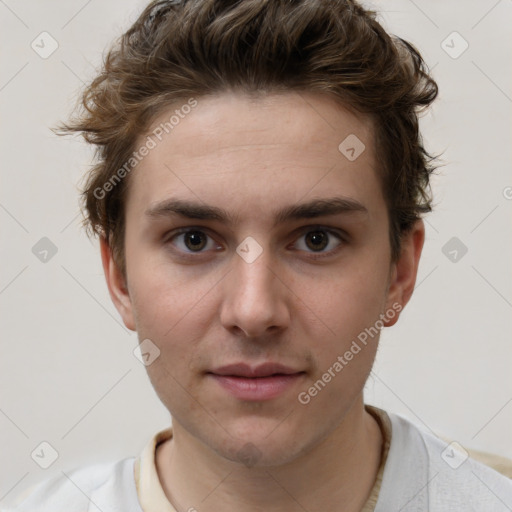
(191, 48)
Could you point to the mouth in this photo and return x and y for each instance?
(262, 382)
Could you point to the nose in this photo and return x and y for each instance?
(254, 298)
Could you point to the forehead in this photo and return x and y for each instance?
(249, 152)
(238, 119)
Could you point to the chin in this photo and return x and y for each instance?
(259, 455)
(261, 447)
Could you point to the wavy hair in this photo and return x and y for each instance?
(192, 48)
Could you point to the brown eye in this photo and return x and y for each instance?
(195, 240)
(317, 240)
(320, 242)
(192, 241)
(193, 244)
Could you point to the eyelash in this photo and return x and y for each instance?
(309, 229)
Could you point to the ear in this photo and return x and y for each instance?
(404, 271)
(116, 285)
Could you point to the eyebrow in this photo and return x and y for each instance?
(309, 210)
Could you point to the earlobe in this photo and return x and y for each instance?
(405, 270)
(117, 285)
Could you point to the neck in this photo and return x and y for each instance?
(338, 474)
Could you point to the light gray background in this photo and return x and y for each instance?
(67, 372)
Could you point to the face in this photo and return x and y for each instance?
(257, 253)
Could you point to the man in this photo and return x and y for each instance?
(258, 198)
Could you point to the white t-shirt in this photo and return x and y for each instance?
(422, 473)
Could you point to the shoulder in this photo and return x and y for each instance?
(438, 476)
(106, 486)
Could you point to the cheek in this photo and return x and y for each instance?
(344, 351)
(171, 314)
(166, 297)
(349, 308)
(173, 308)
(349, 302)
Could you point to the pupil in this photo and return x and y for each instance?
(195, 239)
(318, 238)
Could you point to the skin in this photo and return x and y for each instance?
(253, 157)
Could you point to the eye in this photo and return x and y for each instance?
(318, 239)
(192, 241)
(318, 242)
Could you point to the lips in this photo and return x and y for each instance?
(263, 370)
(263, 382)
